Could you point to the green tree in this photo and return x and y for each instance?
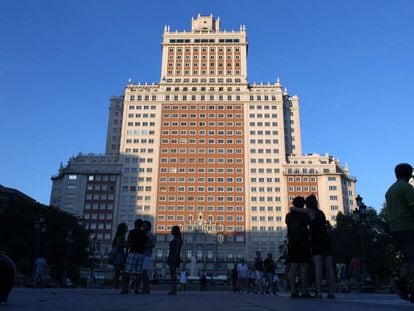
(20, 238)
(368, 238)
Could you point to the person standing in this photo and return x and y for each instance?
(7, 276)
(203, 282)
(320, 247)
(183, 280)
(242, 276)
(400, 207)
(173, 259)
(39, 270)
(234, 278)
(258, 268)
(354, 272)
(137, 239)
(149, 246)
(270, 272)
(298, 247)
(118, 254)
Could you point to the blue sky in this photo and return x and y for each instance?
(350, 62)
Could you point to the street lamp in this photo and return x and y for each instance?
(40, 228)
(359, 214)
(69, 241)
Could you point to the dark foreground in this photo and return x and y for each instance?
(110, 300)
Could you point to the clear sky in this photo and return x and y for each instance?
(350, 62)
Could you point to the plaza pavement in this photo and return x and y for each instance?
(109, 300)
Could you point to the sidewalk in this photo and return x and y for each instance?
(110, 300)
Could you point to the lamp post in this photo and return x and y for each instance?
(40, 229)
(69, 241)
(359, 214)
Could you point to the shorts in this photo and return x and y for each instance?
(147, 263)
(298, 252)
(134, 263)
(406, 239)
(321, 248)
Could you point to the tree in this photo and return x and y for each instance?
(368, 238)
(20, 238)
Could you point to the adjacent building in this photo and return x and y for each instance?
(88, 187)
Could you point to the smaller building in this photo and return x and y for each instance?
(323, 176)
(88, 187)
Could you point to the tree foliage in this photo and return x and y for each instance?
(369, 238)
(23, 240)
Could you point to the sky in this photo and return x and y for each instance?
(350, 62)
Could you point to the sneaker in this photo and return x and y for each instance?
(330, 296)
(317, 295)
(294, 295)
(306, 295)
(400, 285)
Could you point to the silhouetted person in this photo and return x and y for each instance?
(234, 278)
(118, 254)
(298, 247)
(173, 259)
(39, 270)
(7, 276)
(137, 239)
(400, 208)
(149, 246)
(203, 282)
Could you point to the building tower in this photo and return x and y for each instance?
(213, 153)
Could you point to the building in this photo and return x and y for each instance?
(209, 151)
(88, 187)
(324, 177)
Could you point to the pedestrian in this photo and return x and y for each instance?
(259, 268)
(251, 280)
(173, 259)
(234, 278)
(354, 272)
(298, 247)
(400, 208)
(320, 248)
(40, 266)
(270, 272)
(146, 266)
(242, 276)
(136, 241)
(203, 282)
(7, 276)
(341, 276)
(118, 255)
(183, 280)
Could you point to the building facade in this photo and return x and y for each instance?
(88, 187)
(209, 151)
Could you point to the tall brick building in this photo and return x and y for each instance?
(219, 156)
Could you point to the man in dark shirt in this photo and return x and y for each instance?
(137, 239)
(298, 247)
(270, 272)
(258, 265)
